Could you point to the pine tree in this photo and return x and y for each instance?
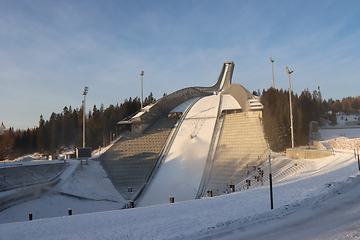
(276, 117)
(41, 137)
(66, 126)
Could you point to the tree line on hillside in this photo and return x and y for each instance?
(65, 129)
(306, 107)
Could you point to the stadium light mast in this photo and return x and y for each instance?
(291, 114)
(142, 99)
(84, 93)
(272, 67)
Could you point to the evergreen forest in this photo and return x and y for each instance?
(64, 129)
(306, 107)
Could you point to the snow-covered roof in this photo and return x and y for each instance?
(143, 110)
(229, 103)
(129, 120)
(147, 107)
(139, 114)
(182, 107)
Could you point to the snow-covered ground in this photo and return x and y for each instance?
(341, 138)
(328, 133)
(342, 118)
(320, 201)
(86, 190)
(83, 188)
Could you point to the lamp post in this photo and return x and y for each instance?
(271, 188)
(84, 93)
(272, 67)
(291, 115)
(142, 101)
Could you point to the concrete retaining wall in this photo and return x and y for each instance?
(298, 153)
(29, 189)
(19, 195)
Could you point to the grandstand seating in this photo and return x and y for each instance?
(241, 146)
(130, 161)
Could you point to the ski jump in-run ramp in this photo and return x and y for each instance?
(189, 142)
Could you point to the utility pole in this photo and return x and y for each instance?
(291, 114)
(142, 99)
(271, 188)
(272, 67)
(84, 93)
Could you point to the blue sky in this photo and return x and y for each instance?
(51, 50)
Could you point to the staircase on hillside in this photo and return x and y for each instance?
(241, 146)
(130, 161)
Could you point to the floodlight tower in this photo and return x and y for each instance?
(84, 93)
(142, 101)
(272, 67)
(291, 114)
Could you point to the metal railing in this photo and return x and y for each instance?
(211, 154)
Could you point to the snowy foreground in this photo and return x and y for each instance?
(320, 201)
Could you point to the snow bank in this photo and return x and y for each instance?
(348, 144)
(83, 188)
(90, 181)
(345, 139)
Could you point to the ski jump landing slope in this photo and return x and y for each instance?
(183, 167)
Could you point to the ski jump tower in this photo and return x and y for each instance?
(190, 141)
